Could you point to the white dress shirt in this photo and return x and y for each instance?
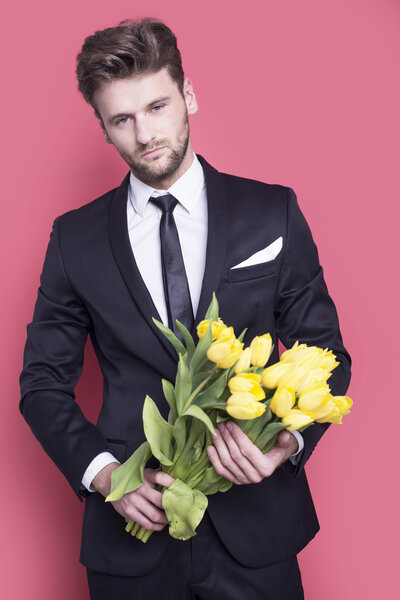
(143, 218)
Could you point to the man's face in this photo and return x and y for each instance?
(146, 118)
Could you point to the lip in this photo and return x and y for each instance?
(154, 153)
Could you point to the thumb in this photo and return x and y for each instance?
(284, 438)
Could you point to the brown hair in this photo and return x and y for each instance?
(140, 46)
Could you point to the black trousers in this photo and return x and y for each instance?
(202, 569)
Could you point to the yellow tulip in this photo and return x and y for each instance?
(333, 417)
(272, 375)
(314, 398)
(244, 361)
(325, 409)
(310, 356)
(261, 347)
(296, 419)
(217, 328)
(343, 403)
(314, 378)
(296, 378)
(242, 405)
(247, 382)
(328, 362)
(225, 352)
(282, 401)
(333, 409)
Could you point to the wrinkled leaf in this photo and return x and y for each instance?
(128, 477)
(184, 508)
(158, 432)
(213, 483)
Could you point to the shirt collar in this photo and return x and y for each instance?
(186, 189)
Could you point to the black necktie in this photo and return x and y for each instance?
(176, 288)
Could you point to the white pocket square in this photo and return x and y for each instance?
(268, 253)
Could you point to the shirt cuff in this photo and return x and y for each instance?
(294, 459)
(99, 462)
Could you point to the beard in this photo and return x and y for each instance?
(149, 171)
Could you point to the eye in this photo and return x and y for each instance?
(122, 120)
(157, 108)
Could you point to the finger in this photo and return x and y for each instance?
(250, 450)
(226, 460)
(140, 518)
(157, 476)
(250, 470)
(151, 494)
(150, 512)
(286, 439)
(218, 466)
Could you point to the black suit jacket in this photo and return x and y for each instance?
(90, 284)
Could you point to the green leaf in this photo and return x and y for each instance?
(211, 394)
(198, 413)
(268, 433)
(184, 508)
(213, 483)
(190, 345)
(128, 477)
(203, 374)
(183, 384)
(213, 310)
(180, 436)
(171, 337)
(241, 336)
(225, 485)
(270, 444)
(200, 354)
(253, 427)
(158, 432)
(169, 394)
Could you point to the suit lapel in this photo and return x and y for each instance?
(218, 226)
(122, 251)
(218, 215)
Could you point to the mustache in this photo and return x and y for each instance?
(154, 146)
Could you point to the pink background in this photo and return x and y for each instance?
(305, 94)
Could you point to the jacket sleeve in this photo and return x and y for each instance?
(304, 311)
(52, 365)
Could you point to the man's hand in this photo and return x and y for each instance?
(236, 458)
(144, 505)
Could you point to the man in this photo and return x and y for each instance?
(109, 268)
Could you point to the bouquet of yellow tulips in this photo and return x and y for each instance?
(218, 379)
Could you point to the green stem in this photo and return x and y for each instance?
(147, 535)
(129, 525)
(199, 388)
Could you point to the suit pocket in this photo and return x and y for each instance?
(118, 448)
(265, 269)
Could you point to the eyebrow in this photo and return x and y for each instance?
(127, 114)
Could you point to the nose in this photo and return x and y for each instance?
(144, 132)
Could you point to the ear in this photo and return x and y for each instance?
(100, 120)
(189, 96)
